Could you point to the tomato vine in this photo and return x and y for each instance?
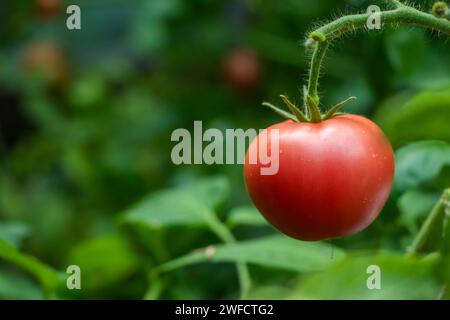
(439, 213)
(319, 40)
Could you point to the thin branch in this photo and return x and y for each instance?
(432, 225)
(314, 72)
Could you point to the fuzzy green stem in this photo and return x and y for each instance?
(313, 110)
(223, 233)
(432, 226)
(226, 236)
(314, 72)
(402, 14)
(395, 3)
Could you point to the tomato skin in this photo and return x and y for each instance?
(334, 177)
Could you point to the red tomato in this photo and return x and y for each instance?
(242, 70)
(47, 58)
(48, 8)
(334, 177)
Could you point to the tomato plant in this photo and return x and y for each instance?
(333, 179)
(93, 205)
(335, 171)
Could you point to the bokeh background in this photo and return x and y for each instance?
(85, 171)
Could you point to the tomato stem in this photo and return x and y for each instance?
(401, 14)
(313, 109)
(432, 226)
(314, 71)
(320, 39)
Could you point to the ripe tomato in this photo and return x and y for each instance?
(242, 70)
(334, 177)
(47, 58)
(48, 8)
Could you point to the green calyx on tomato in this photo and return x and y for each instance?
(312, 112)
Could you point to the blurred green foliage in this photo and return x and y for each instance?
(85, 170)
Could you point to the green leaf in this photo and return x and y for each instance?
(212, 191)
(424, 117)
(187, 206)
(87, 91)
(245, 215)
(17, 286)
(13, 232)
(414, 205)
(405, 48)
(168, 209)
(413, 60)
(400, 278)
(390, 106)
(431, 236)
(45, 275)
(358, 85)
(274, 252)
(104, 261)
(420, 163)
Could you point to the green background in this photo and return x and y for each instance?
(85, 171)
